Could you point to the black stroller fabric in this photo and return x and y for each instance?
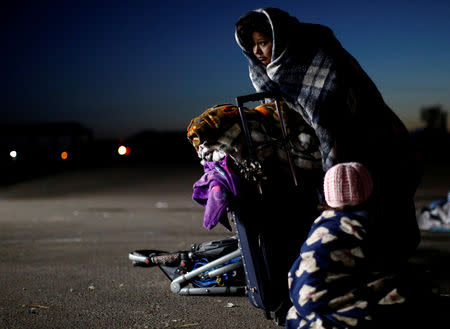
(271, 228)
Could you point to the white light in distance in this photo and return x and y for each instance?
(122, 150)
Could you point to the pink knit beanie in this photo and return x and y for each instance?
(347, 184)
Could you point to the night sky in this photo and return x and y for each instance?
(119, 67)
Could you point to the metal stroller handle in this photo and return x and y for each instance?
(240, 100)
(213, 291)
(140, 259)
(256, 97)
(156, 258)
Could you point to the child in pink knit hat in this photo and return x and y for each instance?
(332, 282)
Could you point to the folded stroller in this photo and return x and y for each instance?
(208, 268)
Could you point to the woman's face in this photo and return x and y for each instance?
(262, 47)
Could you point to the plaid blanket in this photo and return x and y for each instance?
(320, 80)
(303, 85)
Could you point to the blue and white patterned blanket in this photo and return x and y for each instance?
(331, 283)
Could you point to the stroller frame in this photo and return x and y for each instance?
(212, 269)
(175, 285)
(241, 100)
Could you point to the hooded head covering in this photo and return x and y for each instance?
(283, 29)
(268, 24)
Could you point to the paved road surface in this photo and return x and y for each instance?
(64, 243)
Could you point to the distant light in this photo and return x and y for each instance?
(124, 150)
(13, 154)
(64, 155)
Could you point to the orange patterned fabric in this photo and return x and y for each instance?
(214, 121)
(217, 132)
(211, 123)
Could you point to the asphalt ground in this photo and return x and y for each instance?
(65, 239)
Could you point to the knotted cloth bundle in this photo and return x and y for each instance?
(217, 132)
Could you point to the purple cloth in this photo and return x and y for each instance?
(215, 190)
